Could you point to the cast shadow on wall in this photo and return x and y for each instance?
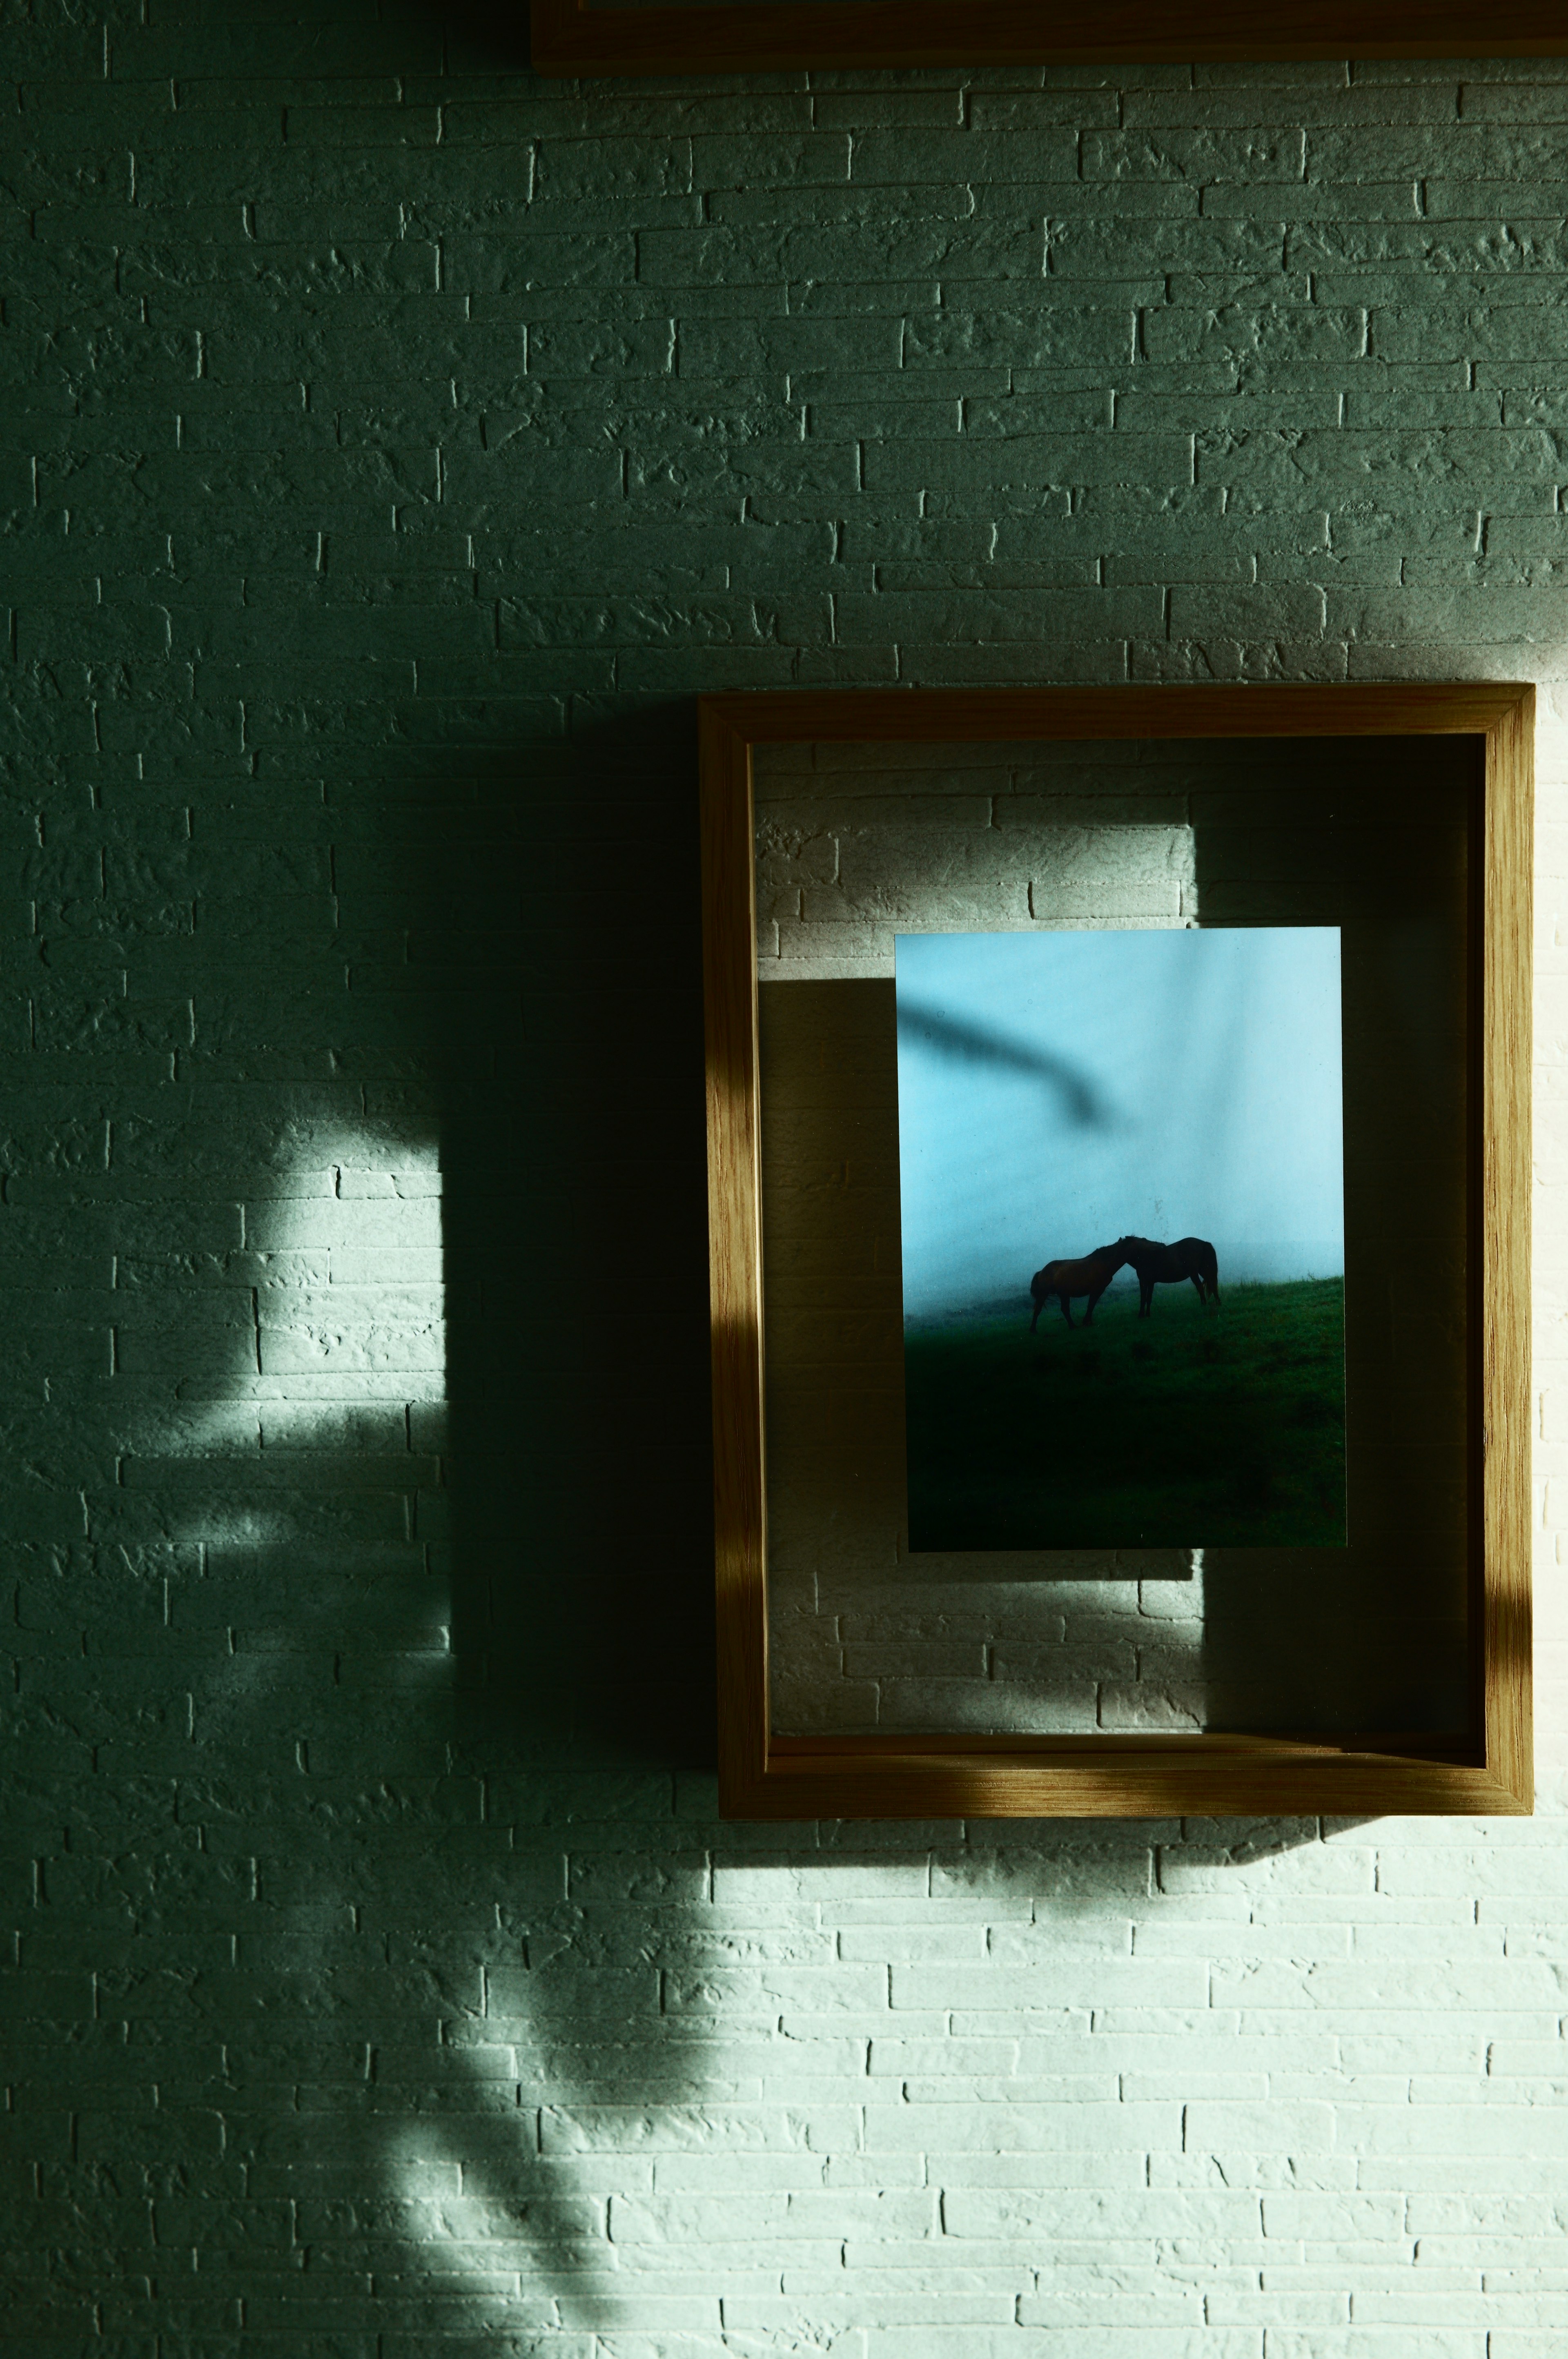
(570, 1148)
(639, 1944)
(512, 1929)
(575, 1249)
(563, 1016)
(610, 1948)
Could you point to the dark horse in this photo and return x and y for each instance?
(1160, 1265)
(1063, 1279)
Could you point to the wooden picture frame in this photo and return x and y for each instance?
(763, 1775)
(784, 35)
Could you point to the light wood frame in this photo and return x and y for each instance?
(765, 1776)
(784, 35)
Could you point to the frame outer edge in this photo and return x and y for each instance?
(571, 38)
(931, 1786)
(905, 715)
(1506, 1033)
(926, 1783)
(734, 1252)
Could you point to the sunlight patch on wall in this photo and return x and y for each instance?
(297, 1452)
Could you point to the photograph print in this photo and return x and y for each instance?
(1122, 1209)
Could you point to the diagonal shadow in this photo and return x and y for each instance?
(644, 1956)
(489, 2013)
(1081, 1100)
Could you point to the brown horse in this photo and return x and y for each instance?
(1063, 1279)
(1160, 1265)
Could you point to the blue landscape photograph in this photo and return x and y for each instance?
(1122, 1208)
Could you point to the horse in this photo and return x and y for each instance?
(1065, 1278)
(1160, 1265)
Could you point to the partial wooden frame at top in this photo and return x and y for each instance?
(765, 1776)
(573, 37)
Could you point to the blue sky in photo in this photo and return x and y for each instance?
(1059, 1089)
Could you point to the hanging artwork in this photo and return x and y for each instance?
(1118, 1129)
(1122, 1188)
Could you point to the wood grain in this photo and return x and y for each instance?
(932, 1783)
(1506, 1020)
(956, 715)
(735, 1240)
(1488, 1769)
(570, 38)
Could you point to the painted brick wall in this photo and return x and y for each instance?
(391, 445)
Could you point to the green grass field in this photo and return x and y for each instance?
(1190, 1428)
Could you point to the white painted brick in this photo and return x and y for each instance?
(913, 1942)
(877, 2171)
(1053, 1937)
(738, 1990)
(1335, 2219)
(1154, 2022)
(1504, 1984)
(1475, 2130)
(825, 2324)
(682, 2129)
(1124, 2169)
(1009, 2128)
(1017, 2088)
(1277, 2309)
(1317, 2173)
(1227, 1939)
(1076, 2341)
(730, 2172)
(1230, 2087)
(1379, 2343)
(830, 1881)
(1070, 1981)
(648, 2251)
(1268, 2128)
(964, 1909)
(1103, 2311)
(1546, 2058)
(897, 2058)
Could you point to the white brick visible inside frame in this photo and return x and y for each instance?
(857, 844)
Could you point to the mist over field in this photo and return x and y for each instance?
(1059, 1089)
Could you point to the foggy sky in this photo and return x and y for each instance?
(1059, 1089)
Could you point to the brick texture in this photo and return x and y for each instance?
(391, 446)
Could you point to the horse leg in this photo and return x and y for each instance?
(1034, 1322)
(1089, 1314)
(1199, 1284)
(1145, 1295)
(1066, 1308)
